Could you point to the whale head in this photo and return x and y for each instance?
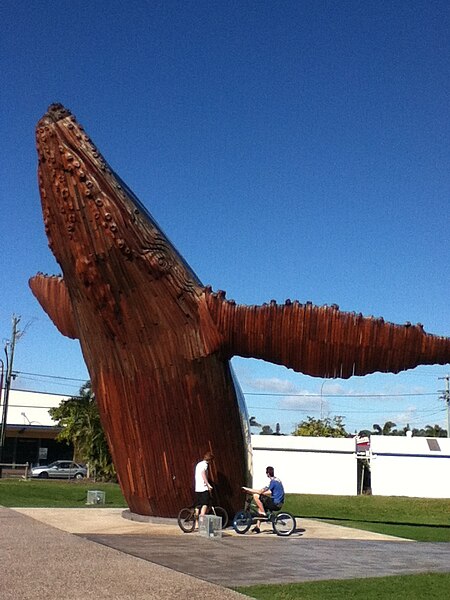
(103, 238)
(89, 212)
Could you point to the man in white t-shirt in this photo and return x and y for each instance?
(202, 486)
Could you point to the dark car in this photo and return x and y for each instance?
(60, 469)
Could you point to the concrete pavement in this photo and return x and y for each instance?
(156, 560)
(39, 562)
(95, 520)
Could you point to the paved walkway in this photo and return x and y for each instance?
(130, 559)
(95, 520)
(39, 562)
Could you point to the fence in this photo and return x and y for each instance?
(14, 470)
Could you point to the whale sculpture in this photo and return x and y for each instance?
(157, 343)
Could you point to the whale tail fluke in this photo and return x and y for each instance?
(322, 341)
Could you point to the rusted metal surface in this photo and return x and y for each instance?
(157, 343)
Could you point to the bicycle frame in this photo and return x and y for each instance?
(189, 517)
(250, 507)
(283, 523)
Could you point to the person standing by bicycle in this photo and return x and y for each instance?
(270, 497)
(202, 486)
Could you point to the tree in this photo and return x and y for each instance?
(365, 432)
(266, 430)
(385, 430)
(322, 427)
(388, 429)
(80, 421)
(254, 423)
(435, 431)
(404, 430)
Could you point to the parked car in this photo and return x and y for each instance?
(60, 469)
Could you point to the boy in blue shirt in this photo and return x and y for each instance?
(270, 497)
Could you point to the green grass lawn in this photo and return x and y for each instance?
(418, 519)
(401, 587)
(58, 494)
(421, 519)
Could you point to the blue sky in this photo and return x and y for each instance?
(288, 149)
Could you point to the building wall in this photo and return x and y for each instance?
(307, 465)
(400, 466)
(415, 467)
(25, 408)
(30, 432)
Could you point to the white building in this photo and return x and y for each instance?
(30, 431)
(307, 465)
(399, 466)
(31, 408)
(410, 466)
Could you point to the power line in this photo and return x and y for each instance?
(364, 412)
(279, 394)
(36, 380)
(30, 406)
(49, 376)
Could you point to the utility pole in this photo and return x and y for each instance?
(446, 396)
(9, 353)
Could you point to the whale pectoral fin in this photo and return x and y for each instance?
(53, 296)
(323, 341)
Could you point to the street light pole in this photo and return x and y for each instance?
(9, 353)
(446, 397)
(321, 399)
(2, 365)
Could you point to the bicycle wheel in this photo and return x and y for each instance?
(242, 521)
(222, 513)
(283, 523)
(186, 520)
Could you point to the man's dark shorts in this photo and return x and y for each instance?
(268, 503)
(202, 498)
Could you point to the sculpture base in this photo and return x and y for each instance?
(127, 514)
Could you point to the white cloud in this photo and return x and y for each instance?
(333, 387)
(406, 417)
(304, 402)
(273, 384)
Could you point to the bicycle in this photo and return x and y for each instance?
(187, 517)
(283, 523)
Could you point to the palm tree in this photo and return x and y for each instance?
(266, 430)
(385, 430)
(435, 431)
